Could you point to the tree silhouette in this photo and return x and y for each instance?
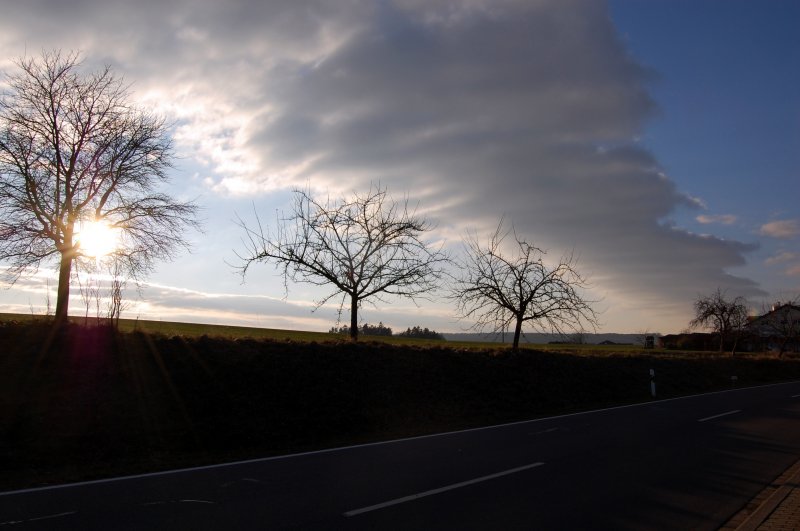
(719, 314)
(496, 289)
(364, 248)
(74, 150)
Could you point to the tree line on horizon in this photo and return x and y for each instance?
(381, 330)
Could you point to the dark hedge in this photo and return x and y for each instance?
(91, 402)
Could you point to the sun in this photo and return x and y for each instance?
(97, 239)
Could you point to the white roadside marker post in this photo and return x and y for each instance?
(653, 383)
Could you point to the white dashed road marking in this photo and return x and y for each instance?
(417, 496)
(720, 415)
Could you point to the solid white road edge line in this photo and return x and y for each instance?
(417, 496)
(720, 415)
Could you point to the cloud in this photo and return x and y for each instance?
(478, 109)
(781, 258)
(724, 219)
(784, 229)
(789, 260)
(504, 113)
(158, 301)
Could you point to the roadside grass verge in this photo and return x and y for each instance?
(94, 402)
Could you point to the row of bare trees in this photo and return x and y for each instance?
(75, 151)
(367, 247)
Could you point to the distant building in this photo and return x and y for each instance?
(778, 329)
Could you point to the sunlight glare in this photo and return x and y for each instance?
(98, 238)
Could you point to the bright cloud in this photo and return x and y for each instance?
(781, 258)
(785, 229)
(724, 219)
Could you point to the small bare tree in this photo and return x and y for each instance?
(103, 281)
(74, 150)
(364, 248)
(47, 300)
(117, 284)
(720, 315)
(89, 288)
(495, 289)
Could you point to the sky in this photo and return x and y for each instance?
(658, 141)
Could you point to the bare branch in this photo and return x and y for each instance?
(715, 312)
(364, 247)
(495, 289)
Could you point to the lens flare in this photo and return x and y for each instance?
(97, 239)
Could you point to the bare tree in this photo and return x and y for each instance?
(74, 150)
(495, 289)
(364, 248)
(578, 337)
(117, 284)
(720, 315)
(102, 280)
(49, 303)
(89, 288)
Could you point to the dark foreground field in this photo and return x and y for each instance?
(99, 403)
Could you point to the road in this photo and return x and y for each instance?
(687, 463)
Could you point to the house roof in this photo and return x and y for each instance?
(777, 309)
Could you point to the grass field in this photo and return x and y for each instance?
(91, 402)
(243, 332)
(189, 329)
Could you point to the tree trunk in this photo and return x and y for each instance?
(62, 297)
(353, 318)
(517, 333)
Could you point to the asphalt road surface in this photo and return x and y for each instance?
(687, 463)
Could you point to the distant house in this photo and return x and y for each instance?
(778, 329)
